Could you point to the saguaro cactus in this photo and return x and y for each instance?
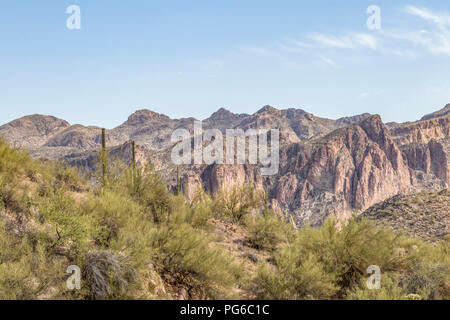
(103, 156)
(134, 175)
(133, 148)
(179, 184)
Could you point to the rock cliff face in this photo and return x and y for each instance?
(327, 167)
(353, 167)
(426, 145)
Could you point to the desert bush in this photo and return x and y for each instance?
(342, 254)
(27, 272)
(237, 202)
(347, 251)
(14, 162)
(195, 213)
(147, 188)
(390, 290)
(186, 255)
(427, 281)
(14, 196)
(268, 230)
(71, 229)
(108, 276)
(294, 277)
(123, 226)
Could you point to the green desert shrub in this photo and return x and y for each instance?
(14, 162)
(427, 281)
(14, 196)
(123, 226)
(342, 254)
(294, 277)
(195, 213)
(27, 271)
(69, 228)
(238, 201)
(268, 230)
(148, 189)
(348, 251)
(186, 254)
(390, 290)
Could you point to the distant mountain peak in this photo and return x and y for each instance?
(222, 113)
(268, 109)
(32, 131)
(145, 114)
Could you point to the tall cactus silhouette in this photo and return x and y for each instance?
(133, 166)
(179, 184)
(133, 148)
(103, 156)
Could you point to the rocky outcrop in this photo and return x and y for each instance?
(354, 167)
(430, 159)
(426, 146)
(422, 131)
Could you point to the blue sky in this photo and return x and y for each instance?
(189, 58)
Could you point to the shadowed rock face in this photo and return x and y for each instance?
(326, 166)
(426, 146)
(353, 167)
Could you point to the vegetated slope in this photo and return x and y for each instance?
(424, 215)
(441, 113)
(133, 239)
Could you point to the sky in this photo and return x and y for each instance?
(191, 57)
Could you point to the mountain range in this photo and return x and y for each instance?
(327, 167)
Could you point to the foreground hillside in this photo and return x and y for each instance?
(425, 215)
(134, 240)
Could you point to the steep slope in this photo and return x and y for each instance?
(441, 113)
(424, 215)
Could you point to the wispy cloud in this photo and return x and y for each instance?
(352, 41)
(331, 41)
(435, 39)
(403, 42)
(440, 19)
(294, 46)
